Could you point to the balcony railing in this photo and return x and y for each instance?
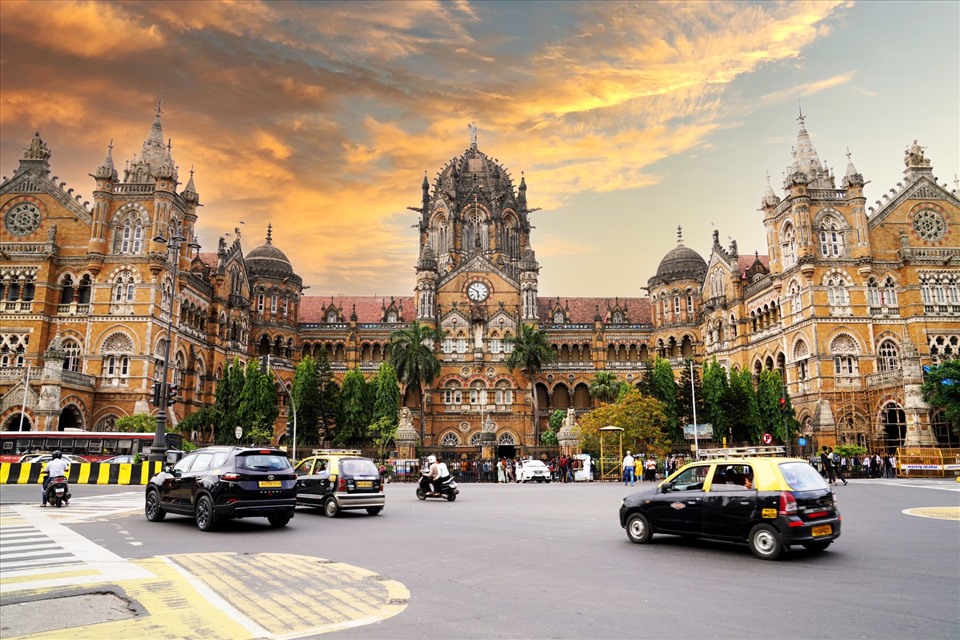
(885, 379)
(17, 307)
(78, 379)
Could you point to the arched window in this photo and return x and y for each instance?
(129, 238)
(873, 293)
(800, 355)
(72, 361)
(391, 316)
(890, 293)
(888, 356)
(617, 318)
(478, 393)
(831, 238)
(504, 394)
(844, 350)
(788, 246)
(450, 439)
(837, 294)
(66, 289)
(452, 393)
(447, 344)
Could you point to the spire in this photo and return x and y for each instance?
(679, 236)
(770, 198)
(106, 170)
(807, 162)
(270, 234)
(473, 134)
(851, 178)
(190, 191)
(154, 152)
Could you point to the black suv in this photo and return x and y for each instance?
(225, 482)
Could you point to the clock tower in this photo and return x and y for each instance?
(476, 281)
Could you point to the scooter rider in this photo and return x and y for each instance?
(443, 474)
(55, 468)
(429, 475)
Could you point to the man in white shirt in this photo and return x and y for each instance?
(628, 469)
(55, 468)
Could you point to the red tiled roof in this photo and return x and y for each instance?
(745, 262)
(209, 259)
(583, 310)
(369, 308)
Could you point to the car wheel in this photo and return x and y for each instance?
(278, 521)
(374, 510)
(451, 496)
(638, 529)
(152, 508)
(204, 514)
(330, 508)
(817, 547)
(765, 542)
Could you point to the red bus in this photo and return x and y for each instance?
(92, 445)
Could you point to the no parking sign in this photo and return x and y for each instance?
(767, 438)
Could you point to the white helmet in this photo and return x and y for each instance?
(431, 459)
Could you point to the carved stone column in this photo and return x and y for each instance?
(48, 408)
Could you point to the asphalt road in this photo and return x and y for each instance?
(551, 561)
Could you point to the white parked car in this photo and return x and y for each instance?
(528, 470)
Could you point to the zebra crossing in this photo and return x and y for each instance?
(37, 552)
(90, 508)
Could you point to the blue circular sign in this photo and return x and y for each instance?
(802, 442)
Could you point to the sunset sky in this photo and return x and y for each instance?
(627, 119)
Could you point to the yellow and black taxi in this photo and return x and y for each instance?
(340, 481)
(769, 503)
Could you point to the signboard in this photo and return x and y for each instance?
(767, 438)
(703, 431)
(802, 442)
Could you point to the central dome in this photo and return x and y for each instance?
(680, 263)
(267, 260)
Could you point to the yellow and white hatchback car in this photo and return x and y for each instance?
(769, 503)
(337, 481)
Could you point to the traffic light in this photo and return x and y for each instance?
(783, 405)
(289, 431)
(172, 392)
(264, 363)
(156, 394)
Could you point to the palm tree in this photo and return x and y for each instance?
(413, 356)
(530, 353)
(605, 386)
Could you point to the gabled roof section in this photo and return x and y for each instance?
(586, 310)
(33, 176)
(367, 309)
(924, 188)
(478, 262)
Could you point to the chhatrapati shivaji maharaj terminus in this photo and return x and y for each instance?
(848, 301)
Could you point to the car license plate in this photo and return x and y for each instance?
(364, 484)
(266, 484)
(822, 530)
(59, 491)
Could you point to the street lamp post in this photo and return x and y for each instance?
(173, 242)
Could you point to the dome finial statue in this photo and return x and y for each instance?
(473, 134)
(679, 235)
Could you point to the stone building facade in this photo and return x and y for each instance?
(848, 302)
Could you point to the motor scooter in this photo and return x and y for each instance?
(447, 490)
(58, 491)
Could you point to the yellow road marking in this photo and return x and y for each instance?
(52, 576)
(938, 513)
(210, 596)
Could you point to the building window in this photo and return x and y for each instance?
(73, 361)
(888, 356)
(118, 366)
(260, 298)
(273, 304)
(837, 294)
(831, 239)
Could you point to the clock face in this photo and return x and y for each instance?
(477, 291)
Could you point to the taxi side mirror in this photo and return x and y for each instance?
(665, 487)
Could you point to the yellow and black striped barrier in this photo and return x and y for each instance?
(83, 473)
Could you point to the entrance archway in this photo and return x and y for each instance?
(13, 423)
(506, 446)
(69, 419)
(894, 426)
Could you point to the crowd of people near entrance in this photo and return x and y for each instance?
(835, 468)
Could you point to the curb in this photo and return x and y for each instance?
(83, 473)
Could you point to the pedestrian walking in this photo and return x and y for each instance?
(837, 465)
(501, 472)
(628, 469)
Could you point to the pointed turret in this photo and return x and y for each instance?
(190, 191)
(806, 166)
(522, 193)
(770, 199)
(106, 170)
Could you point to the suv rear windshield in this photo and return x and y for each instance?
(358, 467)
(262, 462)
(800, 476)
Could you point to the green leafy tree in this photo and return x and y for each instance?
(941, 390)
(769, 392)
(531, 352)
(714, 390)
(138, 423)
(643, 420)
(605, 387)
(354, 410)
(413, 356)
(329, 396)
(202, 422)
(549, 437)
(258, 409)
(306, 394)
(685, 394)
(386, 394)
(227, 403)
(849, 450)
(663, 387)
(382, 433)
(741, 406)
